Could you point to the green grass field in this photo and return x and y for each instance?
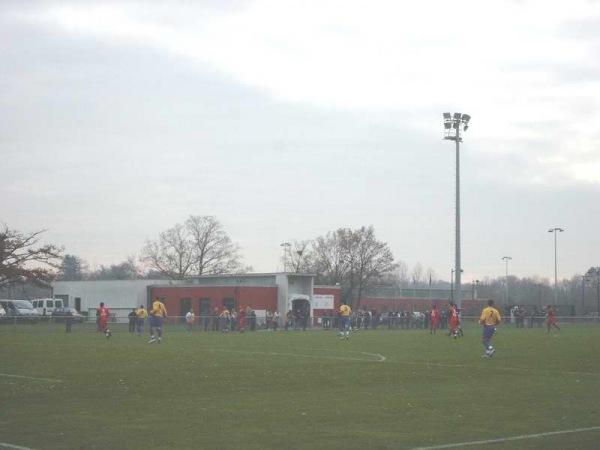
(382, 389)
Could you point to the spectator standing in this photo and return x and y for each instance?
(190, 317)
(132, 316)
(435, 319)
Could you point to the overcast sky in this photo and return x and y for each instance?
(290, 119)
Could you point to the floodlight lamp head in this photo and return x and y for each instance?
(466, 118)
(447, 125)
(466, 127)
(446, 116)
(457, 116)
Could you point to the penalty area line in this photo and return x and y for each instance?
(8, 375)
(17, 447)
(508, 439)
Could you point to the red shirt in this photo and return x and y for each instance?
(453, 315)
(103, 312)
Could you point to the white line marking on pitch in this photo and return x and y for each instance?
(508, 439)
(52, 380)
(380, 358)
(514, 369)
(17, 447)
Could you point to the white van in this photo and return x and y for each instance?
(45, 306)
(18, 311)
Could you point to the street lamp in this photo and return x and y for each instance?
(583, 280)
(475, 283)
(286, 246)
(453, 124)
(597, 271)
(555, 231)
(506, 258)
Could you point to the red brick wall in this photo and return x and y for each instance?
(254, 297)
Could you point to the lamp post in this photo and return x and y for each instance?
(583, 280)
(452, 272)
(598, 291)
(555, 231)
(453, 124)
(475, 284)
(285, 246)
(506, 258)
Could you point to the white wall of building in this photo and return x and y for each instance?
(116, 294)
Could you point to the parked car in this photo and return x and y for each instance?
(45, 306)
(19, 311)
(61, 315)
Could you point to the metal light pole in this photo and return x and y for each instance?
(506, 258)
(285, 246)
(555, 231)
(598, 291)
(452, 127)
(583, 280)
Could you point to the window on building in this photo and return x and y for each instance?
(185, 304)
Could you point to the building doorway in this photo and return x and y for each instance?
(301, 311)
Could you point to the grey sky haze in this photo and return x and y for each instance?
(289, 119)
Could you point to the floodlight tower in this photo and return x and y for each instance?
(453, 124)
(555, 231)
(286, 246)
(506, 258)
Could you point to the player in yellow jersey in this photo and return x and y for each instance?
(345, 312)
(142, 314)
(490, 317)
(158, 314)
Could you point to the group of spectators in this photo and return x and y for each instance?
(372, 319)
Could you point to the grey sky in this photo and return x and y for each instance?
(289, 119)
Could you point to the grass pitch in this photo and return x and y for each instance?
(382, 389)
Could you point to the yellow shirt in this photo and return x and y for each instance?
(345, 310)
(142, 313)
(225, 313)
(490, 316)
(158, 309)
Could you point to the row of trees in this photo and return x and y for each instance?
(353, 259)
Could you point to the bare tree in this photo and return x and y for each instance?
(330, 257)
(300, 256)
(171, 254)
(127, 270)
(354, 259)
(198, 247)
(22, 261)
(374, 259)
(402, 275)
(430, 275)
(417, 274)
(214, 252)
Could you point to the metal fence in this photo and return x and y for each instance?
(122, 324)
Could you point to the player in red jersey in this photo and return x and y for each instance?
(435, 319)
(453, 316)
(551, 318)
(103, 315)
